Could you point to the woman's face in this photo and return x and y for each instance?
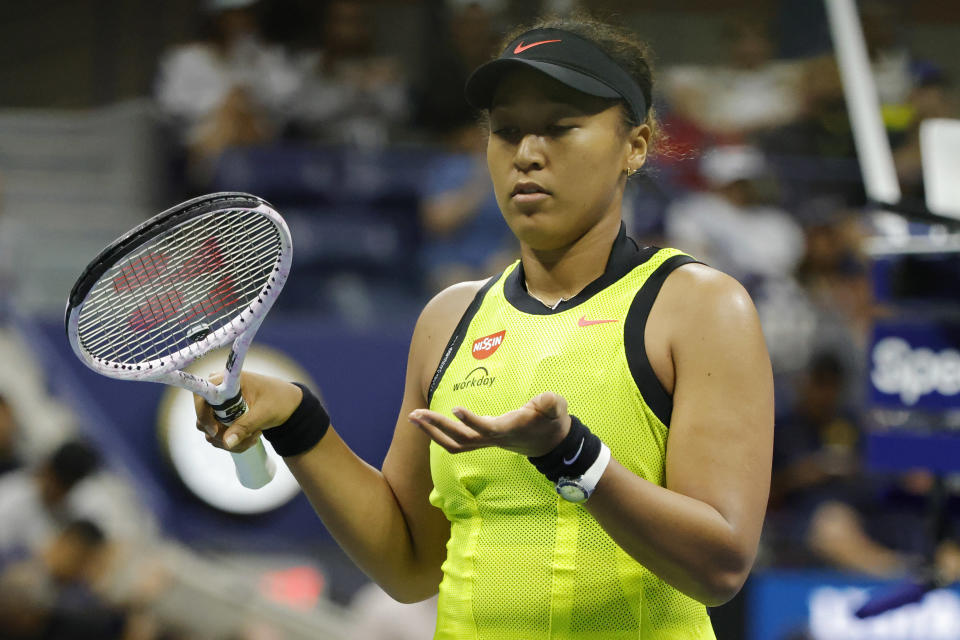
(557, 158)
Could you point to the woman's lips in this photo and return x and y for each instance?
(528, 191)
(536, 196)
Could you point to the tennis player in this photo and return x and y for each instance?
(583, 450)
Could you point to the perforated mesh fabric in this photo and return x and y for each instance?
(521, 562)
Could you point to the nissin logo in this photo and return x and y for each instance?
(479, 377)
(485, 346)
(899, 369)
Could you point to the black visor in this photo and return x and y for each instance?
(565, 57)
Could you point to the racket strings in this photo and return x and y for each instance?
(103, 306)
(150, 310)
(147, 301)
(101, 297)
(169, 339)
(152, 326)
(198, 275)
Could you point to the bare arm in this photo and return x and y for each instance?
(382, 519)
(700, 533)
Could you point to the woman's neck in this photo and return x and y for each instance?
(555, 275)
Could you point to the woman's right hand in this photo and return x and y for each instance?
(270, 401)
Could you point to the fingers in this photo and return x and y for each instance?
(206, 421)
(236, 438)
(550, 404)
(482, 424)
(210, 428)
(452, 435)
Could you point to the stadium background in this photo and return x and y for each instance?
(347, 116)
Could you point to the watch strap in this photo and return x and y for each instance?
(591, 477)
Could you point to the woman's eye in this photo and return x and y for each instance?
(558, 130)
(506, 133)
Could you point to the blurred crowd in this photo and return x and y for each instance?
(756, 175)
(71, 565)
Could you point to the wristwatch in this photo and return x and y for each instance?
(580, 488)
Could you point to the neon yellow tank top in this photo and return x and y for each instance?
(521, 562)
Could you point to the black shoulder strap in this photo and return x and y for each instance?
(656, 397)
(458, 334)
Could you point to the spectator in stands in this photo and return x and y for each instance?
(825, 506)
(909, 88)
(836, 283)
(465, 235)
(466, 39)
(351, 95)
(751, 91)
(730, 226)
(229, 88)
(816, 155)
(890, 58)
(9, 458)
(816, 441)
(816, 480)
(930, 97)
(33, 503)
(51, 594)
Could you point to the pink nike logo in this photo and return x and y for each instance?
(522, 47)
(583, 322)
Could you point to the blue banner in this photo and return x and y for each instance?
(789, 605)
(915, 365)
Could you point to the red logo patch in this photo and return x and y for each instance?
(485, 346)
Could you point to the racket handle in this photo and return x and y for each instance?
(254, 468)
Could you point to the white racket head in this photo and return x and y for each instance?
(193, 278)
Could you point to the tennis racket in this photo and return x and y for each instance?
(189, 280)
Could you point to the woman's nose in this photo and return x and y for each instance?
(529, 154)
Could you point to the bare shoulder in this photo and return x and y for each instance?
(436, 324)
(696, 293)
(445, 309)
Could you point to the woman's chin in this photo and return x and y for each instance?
(539, 231)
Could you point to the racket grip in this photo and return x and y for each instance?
(229, 410)
(254, 468)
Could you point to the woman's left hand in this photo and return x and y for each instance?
(532, 430)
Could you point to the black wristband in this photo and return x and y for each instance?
(303, 429)
(573, 456)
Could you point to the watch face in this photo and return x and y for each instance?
(571, 491)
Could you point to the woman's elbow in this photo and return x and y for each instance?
(412, 587)
(726, 577)
(407, 595)
(722, 587)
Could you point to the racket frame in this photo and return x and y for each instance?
(253, 466)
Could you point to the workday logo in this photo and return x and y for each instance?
(479, 377)
(899, 369)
